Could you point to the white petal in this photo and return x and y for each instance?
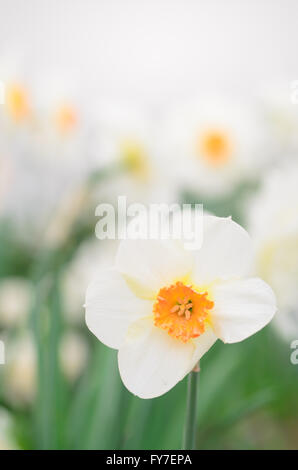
(203, 343)
(111, 307)
(151, 362)
(241, 308)
(153, 264)
(226, 251)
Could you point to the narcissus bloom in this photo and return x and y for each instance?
(211, 146)
(278, 103)
(20, 372)
(163, 306)
(273, 222)
(125, 136)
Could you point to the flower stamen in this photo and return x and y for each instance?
(182, 311)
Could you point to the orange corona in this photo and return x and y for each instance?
(182, 311)
(215, 147)
(66, 119)
(17, 102)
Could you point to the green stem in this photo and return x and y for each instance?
(189, 436)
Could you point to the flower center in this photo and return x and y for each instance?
(182, 311)
(134, 158)
(17, 102)
(215, 147)
(65, 119)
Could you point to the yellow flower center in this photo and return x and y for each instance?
(17, 102)
(134, 157)
(181, 311)
(65, 119)
(215, 147)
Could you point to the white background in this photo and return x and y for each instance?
(156, 50)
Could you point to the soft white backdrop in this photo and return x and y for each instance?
(156, 50)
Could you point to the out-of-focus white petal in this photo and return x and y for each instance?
(241, 308)
(111, 307)
(152, 264)
(226, 251)
(151, 362)
(273, 223)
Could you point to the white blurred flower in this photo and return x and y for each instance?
(15, 300)
(273, 223)
(53, 159)
(126, 139)
(163, 307)
(73, 355)
(7, 442)
(212, 145)
(62, 139)
(17, 109)
(20, 373)
(90, 257)
(65, 216)
(280, 111)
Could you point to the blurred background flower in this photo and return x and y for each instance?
(73, 355)
(20, 370)
(160, 102)
(215, 145)
(280, 116)
(274, 227)
(15, 301)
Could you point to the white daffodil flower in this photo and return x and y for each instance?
(73, 355)
(51, 160)
(20, 373)
(15, 301)
(163, 307)
(126, 139)
(62, 123)
(16, 110)
(211, 145)
(273, 223)
(278, 105)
